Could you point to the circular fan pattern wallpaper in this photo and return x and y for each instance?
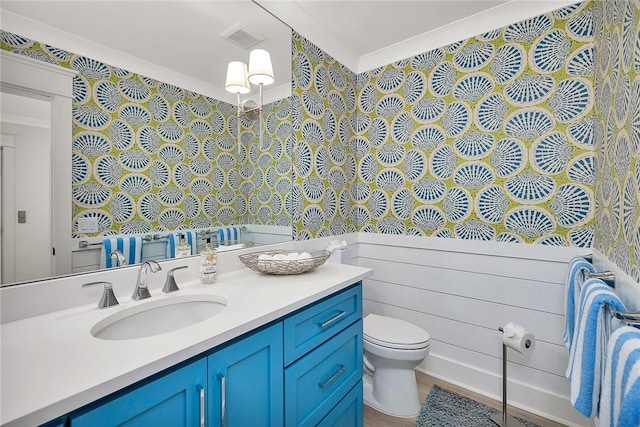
(617, 123)
(150, 156)
(489, 138)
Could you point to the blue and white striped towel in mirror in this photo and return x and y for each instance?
(228, 235)
(129, 246)
(174, 238)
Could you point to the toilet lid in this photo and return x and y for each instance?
(394, 333)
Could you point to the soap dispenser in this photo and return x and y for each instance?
(208, 264)
(182, 248)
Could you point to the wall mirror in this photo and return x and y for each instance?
(154, 146)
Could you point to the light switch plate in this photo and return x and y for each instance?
(87, 225)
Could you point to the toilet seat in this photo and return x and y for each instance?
(394, 333)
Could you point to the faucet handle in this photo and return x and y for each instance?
(108, 298)
(117, 256)
(170, 283)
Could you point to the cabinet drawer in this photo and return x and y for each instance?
(347, 413)
(307, 329)
(318, 381)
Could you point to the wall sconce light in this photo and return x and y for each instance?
(237, 83)
(260, 73)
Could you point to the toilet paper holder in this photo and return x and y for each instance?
(502, 418)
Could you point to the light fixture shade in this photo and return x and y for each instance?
(260, 68)
(237, 78)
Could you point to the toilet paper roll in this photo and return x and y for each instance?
(516, 337)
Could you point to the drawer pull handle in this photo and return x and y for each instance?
(332, 320)
(333, 377)
(202, 407)
(223, 398)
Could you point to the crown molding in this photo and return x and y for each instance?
(290, 13)
(37, 31)
(490, 19)
(499, 16)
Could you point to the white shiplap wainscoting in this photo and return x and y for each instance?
(460, 292)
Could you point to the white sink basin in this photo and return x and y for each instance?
(158, 317)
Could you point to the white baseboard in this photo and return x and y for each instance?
(556, 408)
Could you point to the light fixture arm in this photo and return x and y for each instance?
(238, 120)
(260, 117)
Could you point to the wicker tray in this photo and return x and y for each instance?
(283, 267)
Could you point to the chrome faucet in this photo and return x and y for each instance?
(141, 291)
(117, 256)
(170, 283)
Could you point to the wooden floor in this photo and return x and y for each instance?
(373, 418)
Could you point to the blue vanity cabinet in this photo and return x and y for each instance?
(246, 381)
(175, 399)
(303, 369)
(323, 362)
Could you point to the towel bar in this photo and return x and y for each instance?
(626, 316)
(608, 277)
(82, 244)
(628, 322)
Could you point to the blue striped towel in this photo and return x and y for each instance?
(174, 238)
(228, 235)
(620, 405)
(130, 246)
(578, 267)
(586, 356)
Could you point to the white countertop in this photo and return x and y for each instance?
(51, 364)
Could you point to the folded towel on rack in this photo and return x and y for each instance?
(174, 238)
(586, 356)
(620, 404)
(578, 268)
(228, 235)
(129, 246)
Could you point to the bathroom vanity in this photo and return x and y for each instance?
(285, 350)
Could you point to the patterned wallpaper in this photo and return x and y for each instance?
(265, 166)
(323, 118)
(150, 156)
(617, 129)
(488, 138)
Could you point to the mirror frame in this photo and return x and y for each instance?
(56, 83)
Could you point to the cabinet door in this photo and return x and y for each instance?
(246, 381)
(172, 400)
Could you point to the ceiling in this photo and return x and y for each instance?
(180, 41)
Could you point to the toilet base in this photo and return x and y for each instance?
(401, 402)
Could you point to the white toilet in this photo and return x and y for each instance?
(393, 348)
